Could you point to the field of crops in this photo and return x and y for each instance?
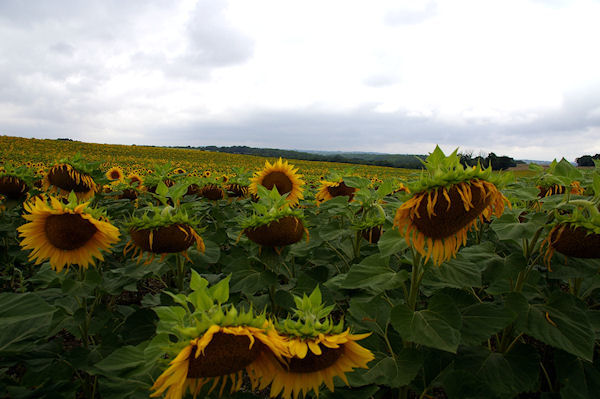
(129, 272)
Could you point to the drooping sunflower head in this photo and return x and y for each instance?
(559, 178)
(273, 223)
(135, 180)
(319, 350)
(237, 184)
(66, 234)
(73, 175)
(210, 342)
(575, 233)
(447, 202)
(162, 230)
(283, 177)
(15, 182)
(115, 174)
(332, 189)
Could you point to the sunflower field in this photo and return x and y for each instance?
(136, 272)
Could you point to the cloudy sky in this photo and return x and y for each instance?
(516, 77)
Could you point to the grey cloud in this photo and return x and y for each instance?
(403, 16)
(212, 40)
(380, 80)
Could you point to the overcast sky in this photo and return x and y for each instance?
(516, 77)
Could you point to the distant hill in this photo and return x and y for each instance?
(363, 158)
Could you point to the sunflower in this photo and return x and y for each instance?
(282, 176)
(318, 352)
(134, 178)
(576, 234)
(215, 344)
(64, 178)
(65, 233)
(115, 174)
(13, 187)
(167, 231)
(574, 188)
(446, 205)
(331, 189)
(274, 223)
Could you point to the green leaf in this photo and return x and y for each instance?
(395, 372)
(122, 360)
(437, 327)
(23, 317)
(504, 374)
(220, 291)
(562, 322)
(391, 242)
(373, 273)
(465, 270)
(482, 320)
(197, 283)
(578, 379)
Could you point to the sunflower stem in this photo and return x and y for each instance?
(180, 272)
(356, 245)
(415, 280)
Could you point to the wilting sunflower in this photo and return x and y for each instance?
(332, 189)
(162, 231)
(134, 179)
(447, 203)
(282, 176)
(115, 174)
(319, 350)
(575, 234)
(64, 178)
(15, 182)
(215, 344)
(574, 188)
(67, 234)
(273, 223)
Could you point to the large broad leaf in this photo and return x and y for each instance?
(370, 313)
(465, 270)
(508, 226)
(395, 372)
(438, 326)
(482, 320)
(374, 273)
(391, 242)
(504, 374)
(23, 317)
(123, 361)
(579, 379)
(562, 322)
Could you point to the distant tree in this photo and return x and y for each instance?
(586, 160)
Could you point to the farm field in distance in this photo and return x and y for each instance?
(130, 271)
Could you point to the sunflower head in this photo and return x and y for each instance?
(281, 176)
(135, 180)
(162, 230)
(16, 181)
(319, 350)
(273, 223)
(210, 341)
(448, 201)
(74, 175)
(66, 234)
(115, 174)
(575, 232)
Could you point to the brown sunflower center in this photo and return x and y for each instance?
(280, 180)
(59, 176)
(12, 187)
(576, 242)
(225, 354)
(69, 231)
(312, 362)
(340, 190)
(166, 239)
(115, 175)
(285, 231)
(450, 217)
(212, 192)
